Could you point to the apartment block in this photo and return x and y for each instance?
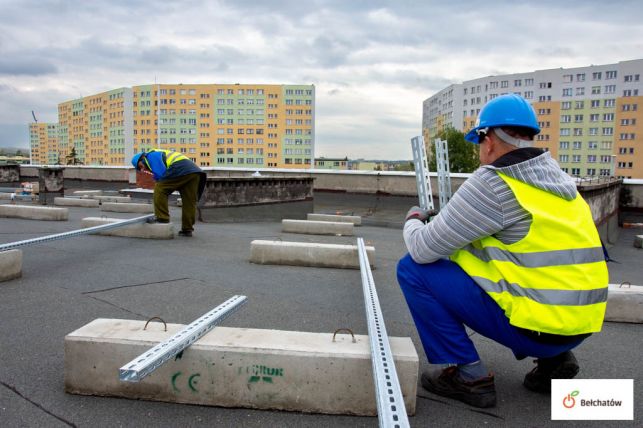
(331, 163)
(213, 124)
(590, 117)
(43, 140)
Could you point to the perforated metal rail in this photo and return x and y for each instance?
(78, 232)
(146, 363)
(390, 402)
(422, 180)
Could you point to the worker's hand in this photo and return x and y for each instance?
(420, 214)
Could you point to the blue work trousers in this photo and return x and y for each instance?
(443, 299)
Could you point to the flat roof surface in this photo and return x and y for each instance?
(68, 283)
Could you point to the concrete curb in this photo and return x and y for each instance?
(238, 367)
(638, 241)
(88, 192)
(307, 254)
(624, 304)
(34, 212)
(10, 265)
(355, 219)
(117, 199)
(76, 202)
(124, 207)
(141, 230)
(317, 227)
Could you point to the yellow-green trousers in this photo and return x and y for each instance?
(188, 187)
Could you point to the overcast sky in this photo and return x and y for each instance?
(372, 62)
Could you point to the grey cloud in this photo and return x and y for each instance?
(26, 66)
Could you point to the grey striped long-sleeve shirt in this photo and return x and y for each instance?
(485, 206)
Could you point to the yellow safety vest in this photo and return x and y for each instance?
(554, 280)
(170, 157)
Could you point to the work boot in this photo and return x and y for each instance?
(186, 233)
(563, 366)
(153, 220)
(448, 383)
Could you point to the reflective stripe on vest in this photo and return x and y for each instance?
(554, 280)
(541, 258)
(171, 157)
(544, 296)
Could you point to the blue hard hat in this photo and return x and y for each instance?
(505, 110)
(136, 158)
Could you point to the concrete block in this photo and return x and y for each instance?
(317, 227)
(624, 303)
(34, 212)
(127, 207)
(17, 197)
(238, 367)
(638, 241)
(76, 202)
(10, 264)
(88, 193)
(307, 254)
(355, 219)
(140, 230)
(117, 199)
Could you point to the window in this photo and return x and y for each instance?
(566, 118)
(579, 105)
(529, 95)
(578, 131)
(608, 131)
(591, 158)
(608, 117)
(567, 92)
(610, 75)
(578, 145)
(591, 171)
(529, 82)
(566, 105)
(580, 91)
(610, 89)
(564, 145)
(563, 158)
(575, 171)
(578, 118)
(518, 82)
(596, 75)
(609, 102)
(564, 132)
(593, 131)
(575, 158)
(568, 78)
(580, 77)
(596, 90)
(593, 145)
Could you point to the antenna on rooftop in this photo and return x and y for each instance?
(34, 116)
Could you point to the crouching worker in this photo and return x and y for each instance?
(173, 171)
(515, 256)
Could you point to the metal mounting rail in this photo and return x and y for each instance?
(146, 363)
(442, 163)
(71, 234)
(391, 410)
(422, 180)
